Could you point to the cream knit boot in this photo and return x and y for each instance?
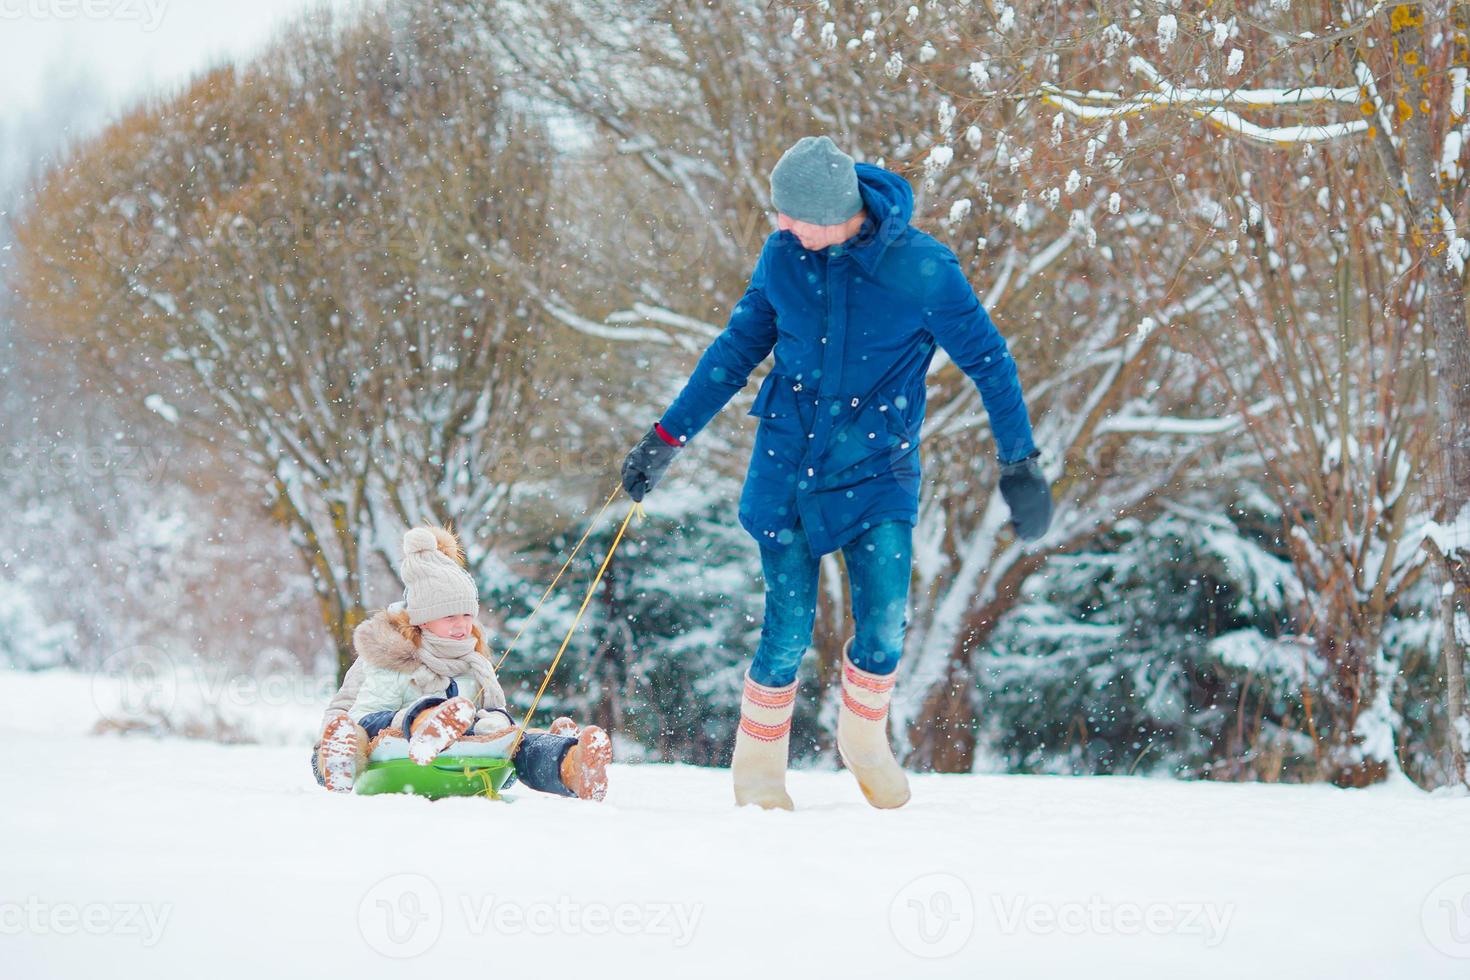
(761, 743)
(862, 735)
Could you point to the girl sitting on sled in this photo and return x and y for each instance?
(423, 673)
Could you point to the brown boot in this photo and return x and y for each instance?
(584, 767)
(563, 726)
(436, 729)
(342, 754)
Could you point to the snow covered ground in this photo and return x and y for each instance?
(136, 856)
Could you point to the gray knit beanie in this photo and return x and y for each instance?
(437, 584)
(815, 182)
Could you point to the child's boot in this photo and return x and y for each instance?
(342, 754)
(761, 745)
(435, 729)
(862, 735)
(584, 767)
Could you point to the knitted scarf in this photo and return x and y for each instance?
(440, 659)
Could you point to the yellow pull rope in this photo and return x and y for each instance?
(564, 566)
(637, 508)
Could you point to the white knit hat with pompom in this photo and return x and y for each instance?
(437, 584)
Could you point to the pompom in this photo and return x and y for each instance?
(419, 540)
(432, 538)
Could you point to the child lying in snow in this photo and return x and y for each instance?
(422, 673)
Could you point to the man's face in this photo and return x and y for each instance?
(814, 238)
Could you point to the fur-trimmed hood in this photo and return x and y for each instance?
(387, 639)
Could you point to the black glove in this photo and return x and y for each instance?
(1028, 495)
(645, 465)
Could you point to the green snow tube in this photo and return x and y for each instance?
(447, 775)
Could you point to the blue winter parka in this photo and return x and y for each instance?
(854, 328)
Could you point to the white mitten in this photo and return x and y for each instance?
(491, 721)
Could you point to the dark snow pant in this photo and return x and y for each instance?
(879, 566)
(538, 761)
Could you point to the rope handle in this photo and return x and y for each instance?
(635, 509)
(562, 571)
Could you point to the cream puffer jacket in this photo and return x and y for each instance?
(382, 676)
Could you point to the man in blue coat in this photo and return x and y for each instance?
(854, 301)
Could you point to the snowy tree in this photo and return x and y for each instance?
(297, 265)
(1378, 88)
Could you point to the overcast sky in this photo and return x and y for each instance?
(124, 48)
(67, 66)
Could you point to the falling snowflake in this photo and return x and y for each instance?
(1237, 58)
(829, 35)
(798, 29)
(913, 15)
(894, 67)
(927, 53)
(958, 210)
(1115, 203)
(1074, 181)
(979, 73)
(973, 136)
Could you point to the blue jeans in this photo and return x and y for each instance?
(879, 566)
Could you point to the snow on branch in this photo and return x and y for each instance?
(604, 331)
(1210, 103)
(1309, 95)
(658, 314)
(1165, 425)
